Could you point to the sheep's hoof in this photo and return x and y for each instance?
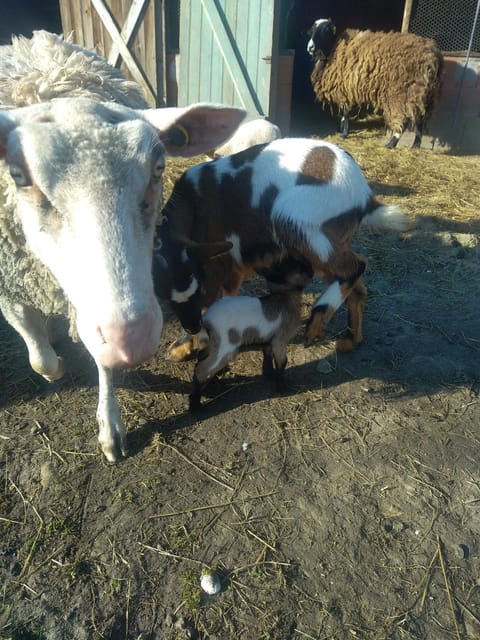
(392, 143)
(114, 451)
(57, 374)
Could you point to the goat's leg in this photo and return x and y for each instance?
(31, 324)
(344, 275)
(111, 430)
(355, 308)
(267, 365)
(195, 397)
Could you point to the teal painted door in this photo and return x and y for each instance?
(226, 53)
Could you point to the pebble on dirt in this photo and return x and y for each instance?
(210, 583)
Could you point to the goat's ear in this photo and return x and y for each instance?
(199, 128)
(207, 250)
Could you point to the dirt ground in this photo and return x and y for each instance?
(347, 508)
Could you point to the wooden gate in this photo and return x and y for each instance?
(226, 53)
(127, 32)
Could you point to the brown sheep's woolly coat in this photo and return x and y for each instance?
(394, 74)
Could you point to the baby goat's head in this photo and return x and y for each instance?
(178, 274)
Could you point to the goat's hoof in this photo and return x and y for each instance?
(194, 404)
(182, 352)
(346, 343)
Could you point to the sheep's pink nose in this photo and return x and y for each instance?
(128, 344)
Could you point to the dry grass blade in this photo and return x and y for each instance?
(199, 469)
(447, 587)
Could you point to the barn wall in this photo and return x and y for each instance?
(80, 18)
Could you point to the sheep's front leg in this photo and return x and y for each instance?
(111, 430)
(344, 123)
(31, 324)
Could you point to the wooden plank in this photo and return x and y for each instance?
(233, 61)
(113, 31)
(407, 12)
(160, 53)
(86, 11)
(135, 15)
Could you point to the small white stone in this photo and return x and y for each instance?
(210, 583)
(245, 446)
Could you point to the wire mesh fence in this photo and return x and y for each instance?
(448, 22)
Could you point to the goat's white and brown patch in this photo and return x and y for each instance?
(293, 197)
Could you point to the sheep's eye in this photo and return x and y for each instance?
(158, 168)
(19, 176)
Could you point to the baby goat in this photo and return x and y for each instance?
(243, 323)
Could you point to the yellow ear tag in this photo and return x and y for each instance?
(178, 136)
(334, 30)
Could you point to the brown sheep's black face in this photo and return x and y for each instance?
(323, 34)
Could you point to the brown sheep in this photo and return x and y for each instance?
(394, 74)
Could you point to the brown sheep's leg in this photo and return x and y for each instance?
(392, 143)
(398, 132)
(344, 123)
(417, 142)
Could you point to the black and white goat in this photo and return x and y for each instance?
(294, 196)
(244, 323)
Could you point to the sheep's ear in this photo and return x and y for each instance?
(7, 123)
(199, 128)
(207, 250)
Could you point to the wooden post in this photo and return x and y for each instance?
(407, 11)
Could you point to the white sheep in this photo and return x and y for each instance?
(80, 195)
(242, 323)
(394, 74)
(248, 134)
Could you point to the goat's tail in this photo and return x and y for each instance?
(387, 218)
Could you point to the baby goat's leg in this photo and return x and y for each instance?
(195, 397)
(267, 366)
(31, 325)
(279, 351)
(344, 278)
